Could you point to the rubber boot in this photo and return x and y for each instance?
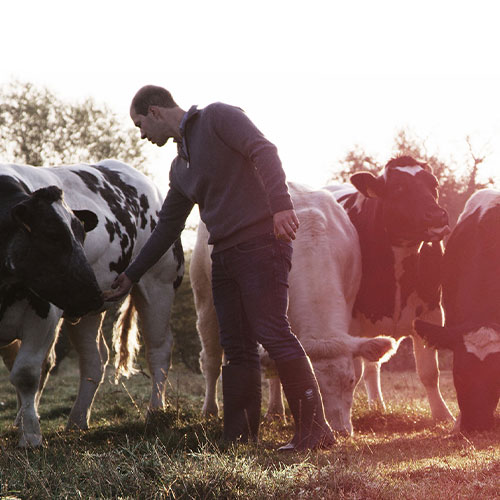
(304, 399)
(241, 396)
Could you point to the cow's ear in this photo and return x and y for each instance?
(19, 214)
(436, 336)
(88, 219)
(368, 185)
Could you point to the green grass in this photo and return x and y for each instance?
(398, 454)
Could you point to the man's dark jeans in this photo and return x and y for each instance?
(250, 292)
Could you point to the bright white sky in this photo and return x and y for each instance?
(317, 77)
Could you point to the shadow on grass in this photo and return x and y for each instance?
(175, 429)
(57, 412)
(377, 421)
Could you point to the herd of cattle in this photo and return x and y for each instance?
(368, 269)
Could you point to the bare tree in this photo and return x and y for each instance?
(37, 128)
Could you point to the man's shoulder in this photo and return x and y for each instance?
(217, 108)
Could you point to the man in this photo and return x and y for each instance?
(234, 174)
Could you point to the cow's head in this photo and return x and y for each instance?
(334, 363)
(476, 369)
(408, 192)
(46, 255)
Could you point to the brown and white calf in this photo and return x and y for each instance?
(324, 281)
(400, 226)
(471, 298)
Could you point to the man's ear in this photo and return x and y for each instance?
(154, 110)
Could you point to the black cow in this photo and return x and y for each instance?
(471, 299)
(400, 226)
(42, 246)
(42, 263)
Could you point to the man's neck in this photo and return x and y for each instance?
(175, 117)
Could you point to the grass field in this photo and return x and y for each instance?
(398, 454)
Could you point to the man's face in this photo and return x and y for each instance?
(151, 126)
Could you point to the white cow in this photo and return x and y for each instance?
(324, 280)
(126, 204)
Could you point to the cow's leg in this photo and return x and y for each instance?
(426, 361)
(154, 324)
(275, 406)
(210, 355)
(38, 339)
(93, 355)
(208, 330)
(358, 369)
(371, 377)
(48, 363)
(9, 353)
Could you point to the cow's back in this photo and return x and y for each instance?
(126, 202)
(326, 265)
(471, 289)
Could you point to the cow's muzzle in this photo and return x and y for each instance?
(436, 233)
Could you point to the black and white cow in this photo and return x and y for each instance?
(400, 226)
(471, 298)
(123, 205)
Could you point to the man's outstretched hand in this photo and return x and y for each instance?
(120, 287)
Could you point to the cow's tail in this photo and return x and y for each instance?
(125, 339)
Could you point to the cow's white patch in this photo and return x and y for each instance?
(413, 170)
(482, 342)
(484, 200)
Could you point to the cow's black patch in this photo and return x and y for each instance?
(111, 229)
(144, 210)
(430, 262)
(11, 193)
(10, 294)
(376, 294)
(471, 270)
(406, 161)
(178, 252)
(127, 206)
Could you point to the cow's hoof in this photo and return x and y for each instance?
(443, 416)
(74, 425)
(210, 412)
(343, 433)
(275, 417)
(377, 405)
(30, 440)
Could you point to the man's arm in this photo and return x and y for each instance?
(234, 127)
(171, 220)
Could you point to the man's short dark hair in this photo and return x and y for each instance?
(151, 95)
